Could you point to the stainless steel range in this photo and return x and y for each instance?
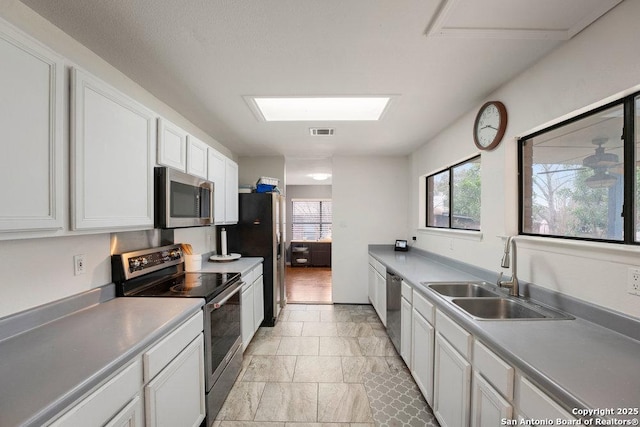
(159, 272)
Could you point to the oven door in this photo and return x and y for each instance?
(222, 331)
(182, 200)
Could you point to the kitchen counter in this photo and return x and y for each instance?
(242, 265)
(582, 364)
(48, 367)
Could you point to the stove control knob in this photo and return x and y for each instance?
(136, 262)
(145, 261)
(175, 254)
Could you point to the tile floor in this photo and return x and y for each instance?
(310, 369)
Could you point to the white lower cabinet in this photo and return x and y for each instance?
(175, 397)
(130, 416)
(534, 404)
(422, 354)
(163, 386)
(246, 313)
(378, 288)
(488, 407)
(452, 385)
(108, 402)
(252, 304)
(406, 337)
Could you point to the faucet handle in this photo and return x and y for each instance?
(499, 279)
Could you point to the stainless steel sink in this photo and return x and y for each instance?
(462, 289)
(506, 309)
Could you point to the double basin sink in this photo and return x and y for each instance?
(481, 302)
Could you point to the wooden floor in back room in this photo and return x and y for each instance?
(308, 285)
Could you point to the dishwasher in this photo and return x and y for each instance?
(394, 291)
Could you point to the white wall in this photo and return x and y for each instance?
(370, 199)
(598, 65)
(250, 169)
(40, 270)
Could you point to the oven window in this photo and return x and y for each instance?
(224, 331)
(184, 200)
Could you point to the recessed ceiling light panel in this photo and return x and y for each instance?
(338, 108)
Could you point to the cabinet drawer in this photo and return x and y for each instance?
(493, 369)
(534, 403)
(423, 306)
(407, 291)
(108, 400)
(379, 267)
(158, 356)
(249, 277)
(459, 338)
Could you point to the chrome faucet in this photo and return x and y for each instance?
(512, 284)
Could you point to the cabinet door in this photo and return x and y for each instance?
(231, 192)
(172, 145)
(130, 416)
(405, 331)
(258, 302)
(216, 174)
(196, 157)
(31, 122)
(451, 386)
(488, 407)
(372, 286)
(175, 397)
(534, 403)
(246, 319)
(112, 146)
(422, 342)
(381, 295)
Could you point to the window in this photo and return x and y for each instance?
(311, 219)
(453, 197)
(579, 180)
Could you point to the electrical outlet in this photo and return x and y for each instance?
(633, 281)
(79, 265)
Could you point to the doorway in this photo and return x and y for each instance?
(309, 223)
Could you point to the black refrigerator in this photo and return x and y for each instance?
(259, 232)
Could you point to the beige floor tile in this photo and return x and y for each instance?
(376, 346)
(305, 316)
(317, 425)
(335, 316)
(242, 402)
(354, 368)
(263, 345)
(288, 402)
(320, 307)
(319, 329)
(364, 316)
(378, 329)
(281, 329)
(248, 424)
(352, 329)
(339, 346)
(342, 402)
(296, 307)
(270, 369)
(298, 346)
(396, 363)
(318, 369)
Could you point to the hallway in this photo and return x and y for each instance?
(308, 285)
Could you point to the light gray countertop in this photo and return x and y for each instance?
(47, 368)
(242, 265)
(582, 364)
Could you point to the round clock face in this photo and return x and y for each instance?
(490, 125)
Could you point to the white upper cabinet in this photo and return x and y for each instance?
(231, 191)
(216, 174)
(172, 145)
(196, 157)
(112, 157)
(31, 122)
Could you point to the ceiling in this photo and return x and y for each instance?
(438, 58)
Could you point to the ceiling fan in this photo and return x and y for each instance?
(600, 162)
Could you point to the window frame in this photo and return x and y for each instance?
(321, 223)
(629, 204)
(449, 170)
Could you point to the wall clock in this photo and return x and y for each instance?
(490, 124)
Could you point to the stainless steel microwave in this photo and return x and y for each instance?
(182, 200)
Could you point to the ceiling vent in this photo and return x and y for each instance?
(321, 131)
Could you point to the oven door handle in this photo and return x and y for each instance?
(234, 289)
